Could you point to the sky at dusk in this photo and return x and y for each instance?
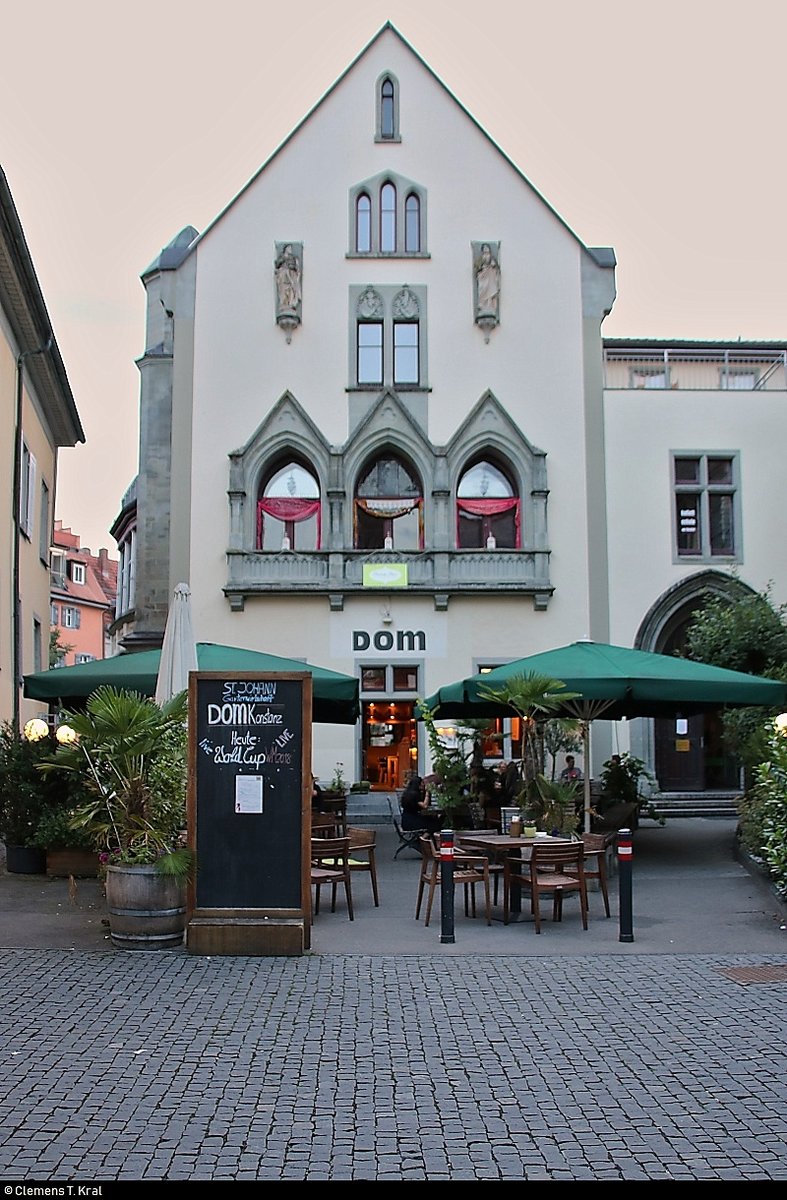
(654, 129)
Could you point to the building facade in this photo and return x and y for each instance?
(381, 431)
(37, 416)
(83, 599)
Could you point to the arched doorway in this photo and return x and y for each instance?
(689, 754)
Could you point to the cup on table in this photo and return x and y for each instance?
(530, 831)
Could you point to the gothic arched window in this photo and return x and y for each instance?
(387, 218)
(288, 509)
(487, 508)
(388, 510)
(363, 223)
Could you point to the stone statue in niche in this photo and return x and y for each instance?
(486, 285)
(288, 269)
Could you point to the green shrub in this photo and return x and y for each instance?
(24, 793)
(751, 823)
(770, 791)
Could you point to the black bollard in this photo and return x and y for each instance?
(447, 885)
(625, 854)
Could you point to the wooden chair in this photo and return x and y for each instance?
(496, 866)
(556, 869)
(324, 825)
(470, 869)
(330, 863)
(596, 849)
(363, 846)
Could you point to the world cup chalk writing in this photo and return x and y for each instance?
(250, 763)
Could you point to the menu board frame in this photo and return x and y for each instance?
(250, 752)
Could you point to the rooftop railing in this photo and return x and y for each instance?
(696, 370)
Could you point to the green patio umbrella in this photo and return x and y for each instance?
(615, 682)
(334, 696)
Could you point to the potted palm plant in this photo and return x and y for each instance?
(130, 754)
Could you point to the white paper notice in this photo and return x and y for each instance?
(248, 793)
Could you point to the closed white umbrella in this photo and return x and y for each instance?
(179, 649)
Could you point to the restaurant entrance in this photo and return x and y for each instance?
(389, 750)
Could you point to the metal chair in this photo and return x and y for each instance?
(409, 839)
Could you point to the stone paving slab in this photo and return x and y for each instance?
(131, 1066)
(385, 1054)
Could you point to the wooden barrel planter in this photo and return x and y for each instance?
(147, 910)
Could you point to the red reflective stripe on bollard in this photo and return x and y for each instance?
(446, 845)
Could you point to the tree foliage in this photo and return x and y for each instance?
(747, 633)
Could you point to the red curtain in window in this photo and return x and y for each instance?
(288, 508)
(490, 508)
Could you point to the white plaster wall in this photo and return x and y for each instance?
(242, 363)
(642, 429)
(533, 361)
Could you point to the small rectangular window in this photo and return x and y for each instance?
(688, 523)
(649, 379)
(370, 352)
(43, 530)
(70, 617)
(405, 352)
(27, 483)
(77, 572)
(405, 679)
(738, 381)
(54, 614)
(84, 658)
(704, 502)
(38, 646)
(373, 679)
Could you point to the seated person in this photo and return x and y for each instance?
(417, 812)
(570, 773)
(317, 805)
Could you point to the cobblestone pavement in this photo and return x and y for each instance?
(373, 1065)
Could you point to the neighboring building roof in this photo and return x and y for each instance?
(23, 303)
(100, 587)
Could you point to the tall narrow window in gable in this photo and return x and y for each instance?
(369, 316)
(363, 224)
(406, 312)
(412, 224)
(370, 351)
(387, 109)
(387, 218)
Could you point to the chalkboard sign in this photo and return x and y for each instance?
(250, 745)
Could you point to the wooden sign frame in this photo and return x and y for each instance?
(249, 804)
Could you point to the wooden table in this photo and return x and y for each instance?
(503, 843)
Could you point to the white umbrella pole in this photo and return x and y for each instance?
(586, 773)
